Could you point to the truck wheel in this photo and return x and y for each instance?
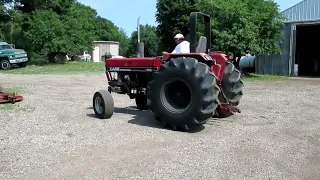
(232, 84)
(141, 102)
(183, 94)
(103, 104)
(5, 64)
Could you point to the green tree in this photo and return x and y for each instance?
(105, 29)
(239, 27)
(28, 6)
(266, 15)
(108, 31)
(173, 17)
(124, 41)
(50, 34)
(52, 27)
(148, 36)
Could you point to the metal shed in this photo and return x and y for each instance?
(297, 55)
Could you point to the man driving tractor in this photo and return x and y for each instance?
(183, 46)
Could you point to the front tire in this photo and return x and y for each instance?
(5, 64)
(103, 104)
(183, 94)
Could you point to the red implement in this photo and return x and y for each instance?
(9, 98)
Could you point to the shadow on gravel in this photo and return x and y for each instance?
(141, 118)
(217, 121)
(145, 118)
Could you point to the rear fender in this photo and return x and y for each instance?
(216, 69)
(221, 60)
(201, 57)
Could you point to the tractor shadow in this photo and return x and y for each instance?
(214, 121)
(141, 118)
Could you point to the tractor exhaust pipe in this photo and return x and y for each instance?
(140, 49)
(140, 45)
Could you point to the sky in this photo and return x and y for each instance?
(124, 13)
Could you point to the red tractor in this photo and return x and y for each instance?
(183, 90)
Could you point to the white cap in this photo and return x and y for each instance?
(178, 36)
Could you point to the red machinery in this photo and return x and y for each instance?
(9, 97)
(183, 90)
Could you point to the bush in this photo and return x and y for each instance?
(37, 58)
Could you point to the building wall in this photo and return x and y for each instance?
(114, 49)
(278, 64)
(107, 47)
(307, 10)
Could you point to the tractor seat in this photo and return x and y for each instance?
(202, 45)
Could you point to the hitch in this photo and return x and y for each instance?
(9, 98)
(225, 108)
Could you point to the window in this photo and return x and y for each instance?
(5, 46)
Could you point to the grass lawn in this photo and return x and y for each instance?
(68, 68)
(260, 77)
(91, 67)
(10, 106)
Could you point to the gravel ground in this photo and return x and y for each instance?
(53, 134)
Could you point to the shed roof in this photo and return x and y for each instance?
(306, 10)
(106, 42)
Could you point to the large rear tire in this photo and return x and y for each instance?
(232, 84)
(103, 104)
(183, 94)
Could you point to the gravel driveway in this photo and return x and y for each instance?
(54, 135)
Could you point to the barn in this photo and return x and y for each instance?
(300, 44)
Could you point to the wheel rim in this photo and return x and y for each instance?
(176, 96)
(5, 65)
(98, 105)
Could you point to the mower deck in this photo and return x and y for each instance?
(9, 98)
